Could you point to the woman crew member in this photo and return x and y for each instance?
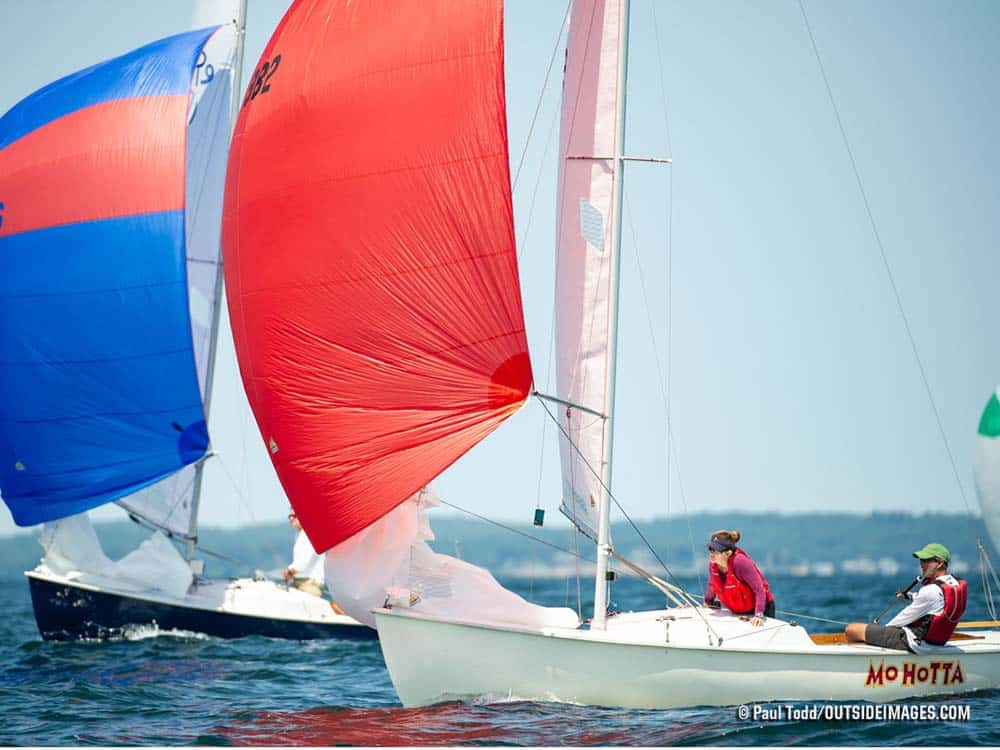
(735, 581)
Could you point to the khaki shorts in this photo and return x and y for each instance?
(308, 585)
(887, 636)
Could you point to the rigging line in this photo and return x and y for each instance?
(142, 521)
(531, 578)
(576, 547)
(239, 492)
(244, 465)
(576, 526)
(663, 88)
(126, 503)
(534, 192)
(241, 497)
(583, 65)
(885, 262)
(181, 536)
(670, 262)
(986, 566)
(986, 585)
(572, 465)
(221, 556)
(548, 379)
(244, 503)
(541, 96)
(551, 346)
(572, 482)
(610, 495)
(674, 592)
(664, 389)
(811, 617)
(996, 582)
(658, 582)
(757, 631)
(509, 528)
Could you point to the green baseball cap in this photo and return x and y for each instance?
(933, 550)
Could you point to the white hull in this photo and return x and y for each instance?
(632, 664)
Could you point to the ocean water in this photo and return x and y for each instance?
(164, 689)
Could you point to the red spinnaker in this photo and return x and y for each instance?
(369, 251)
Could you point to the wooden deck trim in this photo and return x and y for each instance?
(839, 639)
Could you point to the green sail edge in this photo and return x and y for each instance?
(989, 425)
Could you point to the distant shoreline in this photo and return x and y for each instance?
(798, 545)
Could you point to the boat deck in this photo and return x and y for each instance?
(839, 639)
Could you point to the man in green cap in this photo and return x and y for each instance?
(930, 618)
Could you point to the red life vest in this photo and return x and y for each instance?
(735, 595)
(943, 625)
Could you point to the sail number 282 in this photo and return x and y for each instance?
(261, 81)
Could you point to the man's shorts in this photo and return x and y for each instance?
(309, 586)
(887, 636)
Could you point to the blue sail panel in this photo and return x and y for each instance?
(97, 366)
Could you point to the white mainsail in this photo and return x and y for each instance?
(584, 259)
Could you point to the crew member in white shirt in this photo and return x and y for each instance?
(306, 570)
(906, 631)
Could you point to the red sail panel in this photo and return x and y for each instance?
(369, 251)
(76, 169)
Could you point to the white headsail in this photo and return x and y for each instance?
(169, 503)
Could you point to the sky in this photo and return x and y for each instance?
(758, 312)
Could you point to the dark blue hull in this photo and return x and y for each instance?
(67, 613)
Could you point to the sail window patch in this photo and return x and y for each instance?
(592, 225)
(201, 308)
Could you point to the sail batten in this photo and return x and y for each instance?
(369, 246)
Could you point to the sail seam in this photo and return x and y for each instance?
(109, 290)
(101, 360)
(96, 416)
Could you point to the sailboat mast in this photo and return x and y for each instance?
(234, 108)
(599, 620)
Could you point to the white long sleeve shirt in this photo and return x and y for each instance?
(305, 561)
(929, 600)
